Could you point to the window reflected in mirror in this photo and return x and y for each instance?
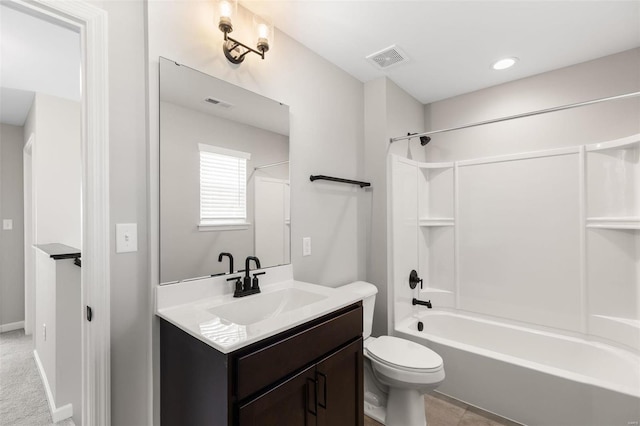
(224, 175)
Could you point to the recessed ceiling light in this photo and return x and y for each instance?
(505, 63)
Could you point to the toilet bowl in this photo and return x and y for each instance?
(398, 372)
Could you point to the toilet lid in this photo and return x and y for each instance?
(403, 353)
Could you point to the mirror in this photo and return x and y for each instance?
(224, 175)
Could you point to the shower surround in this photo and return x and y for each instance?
(540, 242)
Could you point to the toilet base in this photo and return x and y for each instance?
(405, 407)
(377, 413)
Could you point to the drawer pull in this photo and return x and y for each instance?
(314, 385)
(323, 404)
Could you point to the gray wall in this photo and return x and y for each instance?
(326, 122)
(612, 75)
(11, 242)
(131, 297)
(186, 252)
(389, 111)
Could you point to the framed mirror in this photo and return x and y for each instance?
(224, 176)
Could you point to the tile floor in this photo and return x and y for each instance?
(445, 411)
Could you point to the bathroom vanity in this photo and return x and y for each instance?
(292, 356)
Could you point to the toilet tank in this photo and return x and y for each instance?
(368, 292)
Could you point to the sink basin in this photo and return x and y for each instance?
(256, 308)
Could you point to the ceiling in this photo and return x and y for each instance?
(451, 45)
(35, 56)
(189, 88)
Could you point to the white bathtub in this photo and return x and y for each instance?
(530, 376)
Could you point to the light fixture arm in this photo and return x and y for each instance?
(231, 44)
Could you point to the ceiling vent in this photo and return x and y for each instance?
(388, 57)
(218, 102)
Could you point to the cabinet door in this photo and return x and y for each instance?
(340, 387)
(292, 403)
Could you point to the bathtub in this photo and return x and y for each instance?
(530, 376)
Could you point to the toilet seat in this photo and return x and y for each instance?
(403, 355)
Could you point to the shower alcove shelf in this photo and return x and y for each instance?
(496, 236)
(613, 239)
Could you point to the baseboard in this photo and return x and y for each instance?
(11, 326)
(57, 414)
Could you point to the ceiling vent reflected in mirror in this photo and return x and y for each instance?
(388, 57)
(218, 102)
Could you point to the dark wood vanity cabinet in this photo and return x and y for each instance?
(309, 375)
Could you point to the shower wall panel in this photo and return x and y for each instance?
(519, 240)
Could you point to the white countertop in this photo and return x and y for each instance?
(187, 305)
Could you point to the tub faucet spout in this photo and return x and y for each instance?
(421, 302)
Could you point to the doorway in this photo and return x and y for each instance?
(90, 23)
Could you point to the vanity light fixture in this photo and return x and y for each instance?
(234, 50)
(505, 63)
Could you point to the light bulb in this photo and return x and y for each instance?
(505, 63)
(263, 31)
(225, 9)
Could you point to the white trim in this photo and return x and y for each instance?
(29, 235)
(436, 221)
(456, 236)
(435, 165)
(11, 326)
(205, 227)
(57, 413)
(582, 199)
(609, 224)
(91, 23)
(224, 151)
(28, 147)
(523, 156)
(632, 141)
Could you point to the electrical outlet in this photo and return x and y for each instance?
(7, 224)
(44, 332)
(306, 246)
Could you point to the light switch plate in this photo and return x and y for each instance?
(7, 224)
(306, 246)
(126, 237)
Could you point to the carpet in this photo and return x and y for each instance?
(23, 401)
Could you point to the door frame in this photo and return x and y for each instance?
(29, 236)
(90, 22)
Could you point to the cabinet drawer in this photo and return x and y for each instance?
(271, 363)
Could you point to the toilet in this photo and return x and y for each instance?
(397, 372)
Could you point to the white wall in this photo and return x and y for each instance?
(57, 334)
(12, 241)
(57, 182)
(44, 330)
(185, 251)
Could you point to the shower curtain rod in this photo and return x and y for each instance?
(512, 117)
